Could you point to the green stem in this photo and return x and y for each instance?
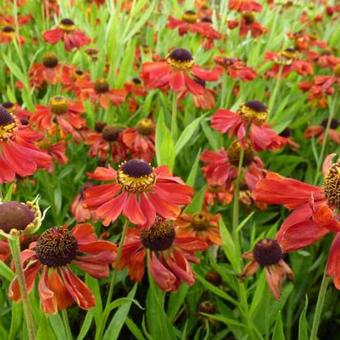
(275, 91)
(174, 117)
(325, 137)
(237, 196)
(14, 244)
(319, 306)
(106, 312)
(66, 324)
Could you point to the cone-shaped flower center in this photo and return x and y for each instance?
(15, 215)
(160, 236)
(254, 111)
(56, 247)
(207, 307)
(9, 106)
(99, 126)
(67, 25)
(234, 152)
(101, 86)
(332, 185)
(50, 60)
(136, 81)
(58, 105)
(207, 19)
(136, 176)
(200, 222)
(180, 59)
(248, 18)
(286, 57)
(110, 133)
(8, 29)
(267, 252)
(7, 124)
(333, 125)
(189, 17)
(145, 126)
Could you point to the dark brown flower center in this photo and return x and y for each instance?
(110, 133)
(206, 19)
(56, 247)
(50, 60)
(101, 86)
(136, 176)
(160, 236)
(207, 307)
(180, 58)
(248, 18)
(67, 25)
(5, 117)
(99, 126)
(136, 81)
(8, 29)
(287, 56)
(332, 185)
(213, 277)
(58, 105)
(267, 252)
(9, 106)
(7, 124)
(15, 215)
(200, 222)
(234, 153)
(334, 123)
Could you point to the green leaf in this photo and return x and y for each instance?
(134, 329)
(16, 321)
(118, 320)
(193, 172)
(85, 327)
(197, 202)
(44, 330)
(278, 333)
(176, 300)
(187, 134)
(303, 323)
(5, 271)
(93, 284)
(58, 326)
(165, 151)
(211, 135)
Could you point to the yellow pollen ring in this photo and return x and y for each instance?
(135, 184)
(180, 65)
(58, 105)
(190, 18)
(67, 28)
(6, 131)
(285, 57)
(253, 116)
(332, 185)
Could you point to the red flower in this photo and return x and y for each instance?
(138, 191)
(245, 6)
(48, 72)
(288, 61)
(222, 193)
(176, 72)
(248, 24)
(318, 131)
(170, 254)
(312, 216)
(75, 80)
(67, 114)
(52, 255)
(141, 140)
(218, 169)
(267, 253)
(106, 142)
(254, 114)
(100, 92)
(18, 154)
(8, 35)
(57, 150)
(202, 225)
(67, 31)
(236, 68)
(134, 89)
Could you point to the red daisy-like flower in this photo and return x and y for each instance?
(268, 254)
(313, 208)
(100, 92)
(176, 72)
(51, 256)
(248, 24)
(8, 35)
(170, 254)
(67, 31)
(106, 142)
(48, 72)
(141, 140)
(317, 131)
(134, 88)
(252, 114)
(138, 191)
(66, 113)
(286, 62)
(18, 154)
(75, 80)
(235, 68)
